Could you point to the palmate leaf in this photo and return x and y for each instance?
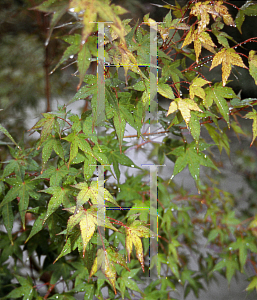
(49, 145)
(21, 190)
(195, 88)
(136, 229)
(78, 141)
(91, 192)
(248, 9)
(193, 157)
(227, 57)
(47, 123)
(107, 259)
(59, 196)
(217, 94)
(87, 220)
(26, 290)
(184, 106)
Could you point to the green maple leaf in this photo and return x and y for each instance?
(78, 141)
(60, 195)
(91, 192)
(48, 123)
(49, 145)
(193, 157)
(21, 190)
(56, 174)
(217, 94)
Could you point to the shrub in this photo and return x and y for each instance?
(68, 216)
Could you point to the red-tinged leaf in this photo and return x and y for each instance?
(47, 124)
(134, 231)
(117, 258)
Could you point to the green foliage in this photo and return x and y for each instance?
(92, 232)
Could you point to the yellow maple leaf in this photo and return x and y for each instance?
(252, 59)
(200, 40)
(87, 228)
(103, 260)
(196, 88)
(227, 57)
(189, 37)
(223, 11)
(201, 9)
(132, 238)
(184, 106)
(127, 60)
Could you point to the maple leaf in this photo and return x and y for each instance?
(253, 65)
(195, 88)
(21, 190)
(105, 260)
(184, 106)
(223, 11)
(78, 141)
(92, 192)
(49, 145)
(201, 9)
(134, 230)
(227, 57)
(60, 194)
(128, 61)
(218, 93)
(87, 220)
(200, 39)
(253, 115)
(193, 157)
(47, 123)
